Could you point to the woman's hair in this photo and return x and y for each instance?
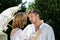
(19, 20)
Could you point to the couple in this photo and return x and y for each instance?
(38, 30)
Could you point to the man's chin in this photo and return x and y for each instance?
(32, 22)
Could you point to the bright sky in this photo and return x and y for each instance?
(28, 1)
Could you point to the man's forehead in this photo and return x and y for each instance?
(31, 14)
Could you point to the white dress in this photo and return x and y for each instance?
(16, 35)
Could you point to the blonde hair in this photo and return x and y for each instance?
(19, 20)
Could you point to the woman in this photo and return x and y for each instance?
(18, 22)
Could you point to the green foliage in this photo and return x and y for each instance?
(4, 4)
(49, 8)
(31, 6)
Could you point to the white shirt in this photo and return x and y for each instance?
(17, 35)
(46, 32)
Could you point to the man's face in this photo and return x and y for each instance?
(32, 17)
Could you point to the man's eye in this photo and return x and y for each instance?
(31, 16)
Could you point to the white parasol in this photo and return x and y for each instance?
(7, 15)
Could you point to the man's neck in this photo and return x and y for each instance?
(37, 24)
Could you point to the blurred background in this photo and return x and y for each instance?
(50, 10)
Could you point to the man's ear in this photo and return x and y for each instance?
(37, 15)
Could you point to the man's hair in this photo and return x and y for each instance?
(35, 11)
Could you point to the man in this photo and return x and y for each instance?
(38, 30)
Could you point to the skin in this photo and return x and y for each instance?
(34, 19)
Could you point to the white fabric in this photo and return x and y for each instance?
(27, 32)
(46, 32)
(16, 35)
(7, 15)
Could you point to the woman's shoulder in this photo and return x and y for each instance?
(15, 31)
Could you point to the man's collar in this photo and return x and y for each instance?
(41, 24)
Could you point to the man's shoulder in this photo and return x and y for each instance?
(30, 24)
(28, 28)
(47, 26)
